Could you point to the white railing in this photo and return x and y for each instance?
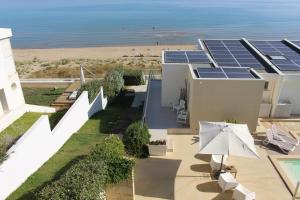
(147, 96)
(296, 192)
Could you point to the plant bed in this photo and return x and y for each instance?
(158, 148)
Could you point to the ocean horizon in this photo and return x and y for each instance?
(130, 22)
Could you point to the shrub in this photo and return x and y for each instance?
(83, 181)
(113, 83)
(133, 77)
(92, 87)
(136, 139)
(111, 150)
(158, 142)
(2, 152)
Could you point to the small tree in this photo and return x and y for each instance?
(113, 83)
(136, 139)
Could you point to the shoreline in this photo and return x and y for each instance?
(100, 52)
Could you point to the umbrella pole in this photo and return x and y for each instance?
(221, 163)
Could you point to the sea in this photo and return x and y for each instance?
(147, 22)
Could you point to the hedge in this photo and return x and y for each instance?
(133, 77)
(92, 87)
(136, 138)
(83, 181)
(113, 83)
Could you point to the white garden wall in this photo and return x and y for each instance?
(39, 143)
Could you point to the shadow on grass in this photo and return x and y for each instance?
(63, 170)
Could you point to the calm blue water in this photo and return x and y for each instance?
(292, 168)
(163, 21)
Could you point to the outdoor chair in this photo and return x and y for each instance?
(180, 106)
(284, 146)
(227, 181)
(283, 136)
(215, 162)
(182, 117)
(242, 193)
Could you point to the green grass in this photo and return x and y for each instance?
(20, 126)
(80, 144)
(42, 96)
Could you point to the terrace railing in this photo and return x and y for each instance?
(150, 77)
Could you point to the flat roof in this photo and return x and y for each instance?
(186, 56)
(280, 53)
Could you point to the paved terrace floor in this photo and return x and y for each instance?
(183, 174)
(158, 117)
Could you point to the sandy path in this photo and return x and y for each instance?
(92, 53)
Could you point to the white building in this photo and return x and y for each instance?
(11, 95)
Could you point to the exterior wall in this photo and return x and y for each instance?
(9, 79)
(173, 79)
(220, 100)
(290, 91)
(39, 144)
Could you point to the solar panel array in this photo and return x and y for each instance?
(186, 57)
(232, 53)
(291, 58)
(226, 73)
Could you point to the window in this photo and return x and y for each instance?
(266, 85)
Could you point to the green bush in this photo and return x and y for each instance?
(113, 83)
(83, 181)
(92, 87)
(111, 150)
(136, 139)
(133, 77)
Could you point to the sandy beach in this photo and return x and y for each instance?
(65, 62)
(93, 52)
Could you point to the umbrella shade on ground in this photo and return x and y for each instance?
(226, 139)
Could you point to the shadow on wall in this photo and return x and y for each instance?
(152, 180)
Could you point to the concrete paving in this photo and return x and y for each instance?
(184, 174)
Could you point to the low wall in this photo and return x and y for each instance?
(39, 143)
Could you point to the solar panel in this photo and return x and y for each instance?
(274, 50)
(229, 73)
(296, 42)
(231, 53)
(186, 57)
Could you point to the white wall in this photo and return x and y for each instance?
(39, 143)
(173, 79)
(9, 80)
(290, 91)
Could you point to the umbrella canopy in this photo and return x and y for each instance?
(226, 139)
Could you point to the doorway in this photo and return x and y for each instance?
(3, 101)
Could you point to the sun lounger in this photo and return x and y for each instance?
(215, 162)
(227, 181)
(283, 136)
(242, 193)
(284, 146)
(180, 106)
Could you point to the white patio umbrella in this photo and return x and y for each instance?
(226, 139)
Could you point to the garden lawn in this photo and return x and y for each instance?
(20, 126)
(80, 144)
(42, 96)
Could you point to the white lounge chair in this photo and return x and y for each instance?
(242, 193)
(215, 162)
(283, 136)
(180, 106)
(182, 117)
(284, 146)
(227, 181)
